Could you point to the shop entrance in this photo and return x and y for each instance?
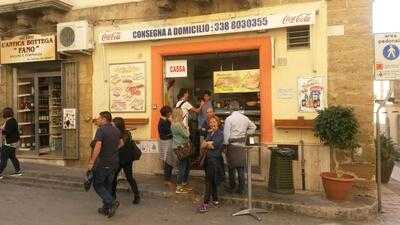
(206, 73)
(199, 53)
(39, 113)
(38, 108)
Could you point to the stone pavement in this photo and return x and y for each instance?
(305, 203)
(391, 203)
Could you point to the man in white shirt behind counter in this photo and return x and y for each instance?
(236, 127)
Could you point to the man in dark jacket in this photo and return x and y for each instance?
(104, 162)
(10, 142)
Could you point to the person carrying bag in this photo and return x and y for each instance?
(182, 149)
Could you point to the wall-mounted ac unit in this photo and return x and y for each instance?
(74, 36)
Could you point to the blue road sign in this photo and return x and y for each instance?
(391, 52)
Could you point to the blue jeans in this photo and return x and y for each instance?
(103, 182)
(184, 170)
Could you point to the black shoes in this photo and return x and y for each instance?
(136, 200)
(113, 209)
(109, 212)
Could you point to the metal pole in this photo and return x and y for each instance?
(378, 159)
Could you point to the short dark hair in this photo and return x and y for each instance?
(106, 115)
(119, 123)
(207, 92)
(8, 112)
(182, 92)
(165, 110)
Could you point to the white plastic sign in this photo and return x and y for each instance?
(176, 68)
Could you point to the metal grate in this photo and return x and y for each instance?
(298, 37)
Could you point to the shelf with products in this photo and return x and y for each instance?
(24, 83)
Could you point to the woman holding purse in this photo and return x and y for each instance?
(212, 149)
(181, 146)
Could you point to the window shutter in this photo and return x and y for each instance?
(70, 83)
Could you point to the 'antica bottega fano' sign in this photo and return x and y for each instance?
(28, 48)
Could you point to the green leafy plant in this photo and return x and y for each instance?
(389, 151)
(337, 127)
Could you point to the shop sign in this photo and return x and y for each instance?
(233, 25)
(237, 81)
(387, 60)
(311, 92)
(28, 48)
(69, 119)
(175, 68)
(128, 87)
(148, 146)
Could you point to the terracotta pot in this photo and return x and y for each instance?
(337, 189)
(387, 169)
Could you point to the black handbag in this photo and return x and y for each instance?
(137, 153)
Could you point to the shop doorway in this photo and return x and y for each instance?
(223, 48)
(39, 110)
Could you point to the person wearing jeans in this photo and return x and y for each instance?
(10, 142)
(180, 137)
(104, 162)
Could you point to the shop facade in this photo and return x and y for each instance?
(303, 54)
(224, 45)
(42, 85)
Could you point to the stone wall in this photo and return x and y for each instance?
(350, 76)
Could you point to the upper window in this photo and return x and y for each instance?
(298, 37)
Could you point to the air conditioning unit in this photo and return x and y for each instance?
(74, 36)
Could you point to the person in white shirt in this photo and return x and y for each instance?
(236, 127)
(186, 107)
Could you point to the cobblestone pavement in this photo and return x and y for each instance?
(22, 205)
(391, 203)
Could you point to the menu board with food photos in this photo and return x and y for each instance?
(237, 81)
(127, 87)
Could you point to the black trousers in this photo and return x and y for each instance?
(211, 190)
(8, 153)
(129, 177)
(167, 172)
(240, 172)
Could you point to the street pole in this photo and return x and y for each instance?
(378, 150)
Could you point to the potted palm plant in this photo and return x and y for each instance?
(389, 156)
(337, 127)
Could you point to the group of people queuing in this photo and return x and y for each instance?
(215, 140)
(112, 152)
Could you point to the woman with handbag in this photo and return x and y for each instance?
(212, 149)
(126, 158)
(182, 149)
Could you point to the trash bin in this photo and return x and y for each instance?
(280, 171)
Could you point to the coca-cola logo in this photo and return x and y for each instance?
(301, 18)
(111, 36)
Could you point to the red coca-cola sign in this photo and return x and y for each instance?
(114, 36)
(300, 18)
